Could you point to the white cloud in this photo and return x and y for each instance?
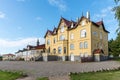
(2, 15)
(109, 20)
(7, 45)
(105, 12)
(58, 3)
(38, 18)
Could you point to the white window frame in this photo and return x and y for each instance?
(83, 33)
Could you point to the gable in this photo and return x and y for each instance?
(83, 21)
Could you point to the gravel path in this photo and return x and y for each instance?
(56, 69)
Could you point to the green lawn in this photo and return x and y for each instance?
(44, 78)
(107, 75)
(5, 75)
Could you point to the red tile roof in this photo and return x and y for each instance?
(9, 54)
(40, 46)
(99, 23)
(98, 51)
(36, 47)
(75, 24)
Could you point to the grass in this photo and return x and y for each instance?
(44, 78)
(105, 75)
(7, 75)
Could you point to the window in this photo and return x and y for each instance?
(62, 37)
(81, 45)
(72, 36)
(64, 50)
(95, 33)
(71, 46)
(105, 37)
(83, 23)
(59, 50)
(54, 40)
(62, 28)
(85, 45)
(48, 42)
(83, 33)
(54, 51)
(49, 50)
(100, 35)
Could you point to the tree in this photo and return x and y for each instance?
(114, 46)
(116, 9)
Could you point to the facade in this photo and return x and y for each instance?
(78, 40)
(31, 53)
(8, 57)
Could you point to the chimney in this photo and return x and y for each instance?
(88, 15)
(77, 19)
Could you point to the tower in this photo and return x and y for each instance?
(38, 42)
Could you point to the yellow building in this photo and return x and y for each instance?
(81, 40)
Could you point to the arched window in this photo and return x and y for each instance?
(81, 45)
(59, 50)
(48, 42)
(62, 29)
(85, 44)
(83, 33)
(62, 37)
(71, 46)
(54, 51)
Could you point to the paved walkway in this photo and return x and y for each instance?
(55, 69)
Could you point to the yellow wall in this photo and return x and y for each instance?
(91, 39)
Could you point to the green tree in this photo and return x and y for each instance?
(116, 9)
(114, 46)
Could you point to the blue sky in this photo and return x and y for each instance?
(23, 21)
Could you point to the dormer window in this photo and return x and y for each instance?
(72, 25)
(55, 32)
(62, 28)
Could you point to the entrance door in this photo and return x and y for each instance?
(72, 57)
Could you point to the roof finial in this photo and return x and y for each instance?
(82, 13)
